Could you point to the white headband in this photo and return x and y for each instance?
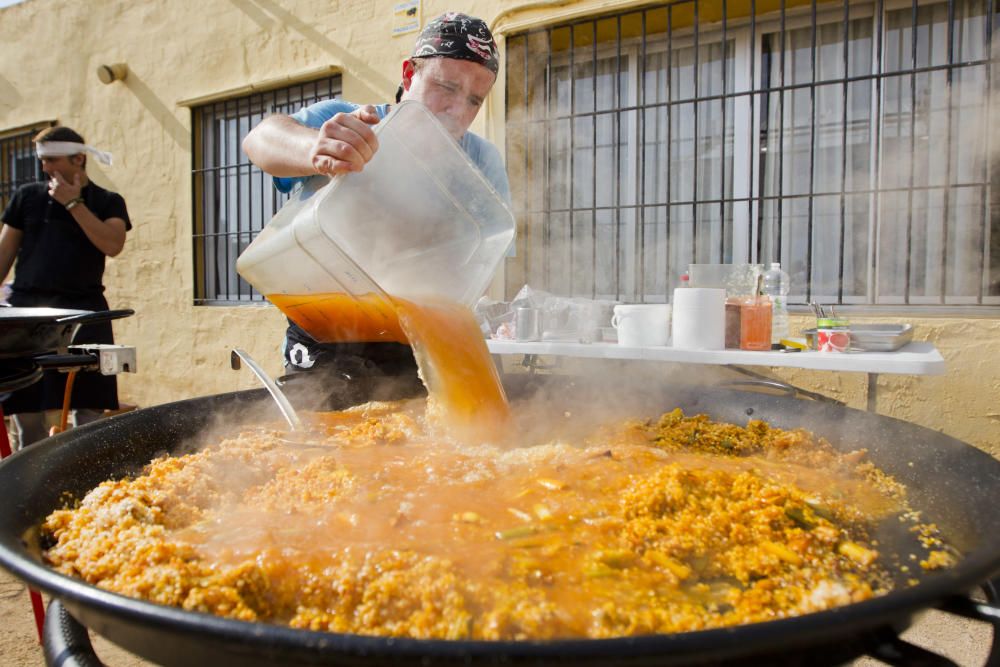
(59, 148)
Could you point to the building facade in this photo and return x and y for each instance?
(854, 142)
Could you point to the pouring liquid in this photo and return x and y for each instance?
(454, 362)
(342, 318)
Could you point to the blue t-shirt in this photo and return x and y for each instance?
(482, 153)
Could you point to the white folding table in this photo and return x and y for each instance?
(915, 358)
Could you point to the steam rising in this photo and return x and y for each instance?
(884, 180)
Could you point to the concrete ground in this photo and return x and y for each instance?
(19, 646)
(965, 642)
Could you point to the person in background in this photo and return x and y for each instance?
(60, 232)
(452, 68)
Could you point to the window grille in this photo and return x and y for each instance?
(18, 164)
(233, 199)
(849, 141)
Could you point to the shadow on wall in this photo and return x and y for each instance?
(9, 97)
(100, 176)
(258, 11)
(160, 111)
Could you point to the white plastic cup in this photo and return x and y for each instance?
(699, 318)
(527, 324)
(642, 325)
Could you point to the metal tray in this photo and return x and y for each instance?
(880, 337)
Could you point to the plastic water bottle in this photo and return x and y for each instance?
(775, 285)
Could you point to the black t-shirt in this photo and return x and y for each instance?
(304, 353)
(56, 257)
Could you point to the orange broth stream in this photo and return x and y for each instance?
(449, 348)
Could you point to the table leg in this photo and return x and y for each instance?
(872, 392)
(498, 362)
(530, 362)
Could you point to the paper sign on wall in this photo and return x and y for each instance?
(405, 17)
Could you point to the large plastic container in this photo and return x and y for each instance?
(419, 223)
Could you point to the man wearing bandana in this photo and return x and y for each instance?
(60, 232)
(451, 70)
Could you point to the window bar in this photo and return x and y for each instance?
(268, 192)
(570, 191)
(754, 159)
(238, 163)
(984, 205)
(593, 164)
(201, 206)
(616, 264)
(697, 91)
(722, 164)
(810, 205)
(825, 193)
(640, 220)
(23, 143)
(777, 239)
(224, 171)
(6, 179)
(843, 156)
(266, 185)
(7, 182)
(873, 283)
(528, 129)
(913, 133)
(212, 209)
(216, 211)
(277, 198)
(199, 268)
(789, 87)
(670, 133)
(207, 219)
(766, 58)
(948, 160)
(216, 203)
(547, 196)
(10, 181)
(257, 214)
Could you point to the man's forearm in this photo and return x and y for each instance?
(280, 146)
(108, 236)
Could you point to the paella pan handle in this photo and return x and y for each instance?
(786, 389)
(759, 380)
(988, 612)
(65, 640)
(894, 650)
(96, 316)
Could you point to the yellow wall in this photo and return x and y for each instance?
(186, 49)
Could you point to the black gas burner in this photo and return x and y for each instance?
(18, 373)
(22, 372)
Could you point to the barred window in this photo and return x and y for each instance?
(18, 164)
(849, 141)
(233, 199)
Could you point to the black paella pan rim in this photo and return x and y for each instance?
(101, 610)
(108, 613)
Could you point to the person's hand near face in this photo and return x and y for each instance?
(65, 181)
